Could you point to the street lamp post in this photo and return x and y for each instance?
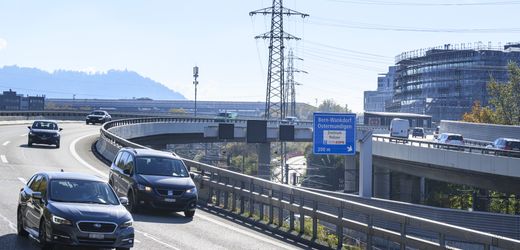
(195, 82)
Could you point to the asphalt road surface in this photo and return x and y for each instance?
(154, 230)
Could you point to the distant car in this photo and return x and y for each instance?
(44, 132)
(153, 179)
(60, 208)
(506, 144)
(98, 116)
(290, 120)
(418, 132)
(451, 139)
(436, 132)
(226, 116)
(399, 128)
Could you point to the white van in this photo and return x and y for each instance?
(399, 128)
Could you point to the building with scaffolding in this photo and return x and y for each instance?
(445, 81)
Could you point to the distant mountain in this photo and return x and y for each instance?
(114, 84)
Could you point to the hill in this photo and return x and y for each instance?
(113, 84)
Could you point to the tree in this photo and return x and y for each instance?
(505, 97)
(480, 114)
(329, 105)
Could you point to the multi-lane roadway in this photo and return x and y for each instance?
(207, 230)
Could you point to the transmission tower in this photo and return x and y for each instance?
(290, 84)
(275, 101)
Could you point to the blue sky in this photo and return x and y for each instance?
(345, 44)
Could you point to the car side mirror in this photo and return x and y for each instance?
(192, 175)
(124, 201)
(127, 171)
(60, 129)
(29, 127)
(36, 195)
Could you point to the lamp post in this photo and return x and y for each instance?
(195, 82)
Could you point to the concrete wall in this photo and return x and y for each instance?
(489, 164)
(480, 131)
(209, 130)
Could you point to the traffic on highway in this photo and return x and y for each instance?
(56, 197)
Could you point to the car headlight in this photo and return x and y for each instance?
(192, 190)
(60, 221)
(56, 135)
(31, 133)
(143, 187)
(127, 224)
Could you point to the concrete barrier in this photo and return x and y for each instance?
(480, 131)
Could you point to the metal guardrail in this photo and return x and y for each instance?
(428, 144)
(235, 191)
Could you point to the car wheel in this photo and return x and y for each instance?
(189, 214)
(19, 225)
(29, 143)
(42, 237)
(86, 122)
(58, 145)
(122, 248)
(132, 207)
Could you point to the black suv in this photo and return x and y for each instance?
(73, 209)
(98, 116)
(44, 132)
(154, 179)
(418, 132)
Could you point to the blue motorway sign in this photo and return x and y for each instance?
(334, 133)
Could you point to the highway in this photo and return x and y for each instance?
(207, 230)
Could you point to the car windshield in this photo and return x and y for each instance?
(455, 138)
(82, 191)
(98, 113)
(513, 144)
(45, 125)
(160, 166)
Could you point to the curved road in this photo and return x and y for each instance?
(153, 231)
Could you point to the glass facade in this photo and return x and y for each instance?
(376, 100)
(444, 82)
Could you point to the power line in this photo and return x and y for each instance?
(423, 4)
(383, 27)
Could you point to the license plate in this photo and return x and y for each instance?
(96, 236)
(169, 200)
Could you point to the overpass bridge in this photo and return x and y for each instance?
(469, 165)
(272, 201)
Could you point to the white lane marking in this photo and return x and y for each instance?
(147, 235)
(72, 149)
(22, 180)
(11, 225)
(252, 235)
(5, 143)
(4, 159)
(22, 135)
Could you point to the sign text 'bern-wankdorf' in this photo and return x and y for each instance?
(334, 133)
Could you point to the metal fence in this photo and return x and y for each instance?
(429, 144)
(270, 201)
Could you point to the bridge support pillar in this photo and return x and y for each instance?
(351, 174)
(365, 164)
(381, 183)
(264, 160)
(406, 187)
